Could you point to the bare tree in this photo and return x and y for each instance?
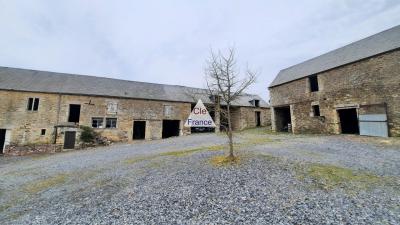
(225, 81)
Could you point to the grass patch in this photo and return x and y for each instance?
(311, 154)
(216, 147)
(179, 153)
(154, 164)
(268, 157)
(138, 159)
(4, 207)
(182, 152)
(258, 141)
(222, 160)
(38, 186)
(329, 177)
(193, 150)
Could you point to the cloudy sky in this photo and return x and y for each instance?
(168, 41)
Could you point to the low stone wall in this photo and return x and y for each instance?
(15, 150)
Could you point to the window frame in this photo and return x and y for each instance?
(111, 119)
(33, 104)
(43, 132)
(98, 119)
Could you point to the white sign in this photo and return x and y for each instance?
(199, 117)
(112, 108)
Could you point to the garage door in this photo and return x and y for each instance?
(373, 120)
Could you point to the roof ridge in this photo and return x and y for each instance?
(344, 46)
(378, 43)
(93, 76)
(78, 79)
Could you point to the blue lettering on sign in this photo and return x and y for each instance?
(192, 122)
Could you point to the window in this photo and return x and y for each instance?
(74, 113)
(111, 122)
(97, 122)
(33, 104)
(167, 110)
(257, 103)
(43, 132)
(316, 110)
(313, 83)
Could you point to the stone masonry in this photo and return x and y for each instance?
(26, 127)
(368, 82)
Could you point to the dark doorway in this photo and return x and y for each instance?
(69, 139)
(2, 140)
(349, 121)
(282, 119)
(170, 128)
(258, 119)
(139, 130)
(74, 113)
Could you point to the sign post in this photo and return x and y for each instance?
(199, 117)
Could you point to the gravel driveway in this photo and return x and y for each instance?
(278, 179)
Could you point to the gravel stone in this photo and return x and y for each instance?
(136, 184)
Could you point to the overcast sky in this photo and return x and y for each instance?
(168, 41)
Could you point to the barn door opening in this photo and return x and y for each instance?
(283, 119)
(2, 140)
(348, 121)
(258, 119)
(69, 139)
(170, 128)
(139, 130)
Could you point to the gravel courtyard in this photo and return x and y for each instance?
(278, 179)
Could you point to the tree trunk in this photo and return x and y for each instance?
(231, 155)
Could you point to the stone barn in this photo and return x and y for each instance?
(354, 89)
(46, 111)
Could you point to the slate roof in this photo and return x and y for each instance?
(376, 44)
(51, 82)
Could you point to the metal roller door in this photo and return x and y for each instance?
(373, 120)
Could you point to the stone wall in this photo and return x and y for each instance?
(371, 81)
(26, 126)
(20, 150)
(248, 117)
(128, 110)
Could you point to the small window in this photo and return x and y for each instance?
(43, 132)
(316, 110)
(313, 83)
(33, 104)
(257, 103)
(111, 122)
(97, 122)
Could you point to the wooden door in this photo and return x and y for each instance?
(69, 140)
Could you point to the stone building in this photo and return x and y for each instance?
(353, 89)
(44, 111)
